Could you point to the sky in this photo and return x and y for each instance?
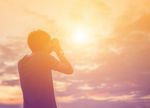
(107, 42)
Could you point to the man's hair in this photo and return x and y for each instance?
(38, 39)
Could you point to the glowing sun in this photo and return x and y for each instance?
(81, 36)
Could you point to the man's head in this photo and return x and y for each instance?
(39, 41)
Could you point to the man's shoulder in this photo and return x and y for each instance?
(36, 58)
(23, 59)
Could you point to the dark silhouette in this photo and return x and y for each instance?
(35, 70)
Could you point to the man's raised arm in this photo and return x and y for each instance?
(61, 65)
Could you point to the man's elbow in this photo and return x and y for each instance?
(69, 71)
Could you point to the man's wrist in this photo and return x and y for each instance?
(60, 53)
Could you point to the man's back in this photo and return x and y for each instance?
(36, 81)
(35, 70)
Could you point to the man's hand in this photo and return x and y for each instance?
(63, 65)
(56, 46)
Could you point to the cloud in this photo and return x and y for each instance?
(125, 98)
(61, 86)
(87, 67)
(85, 87)
(10, 95)
(10, 82)
(65, 99)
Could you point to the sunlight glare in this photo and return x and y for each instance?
(81, 36)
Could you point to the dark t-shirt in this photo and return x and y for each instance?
(36, 80)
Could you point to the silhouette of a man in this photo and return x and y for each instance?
(35, 70)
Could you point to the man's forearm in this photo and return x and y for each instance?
(65, 62)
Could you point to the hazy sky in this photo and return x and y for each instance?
(111, 65)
